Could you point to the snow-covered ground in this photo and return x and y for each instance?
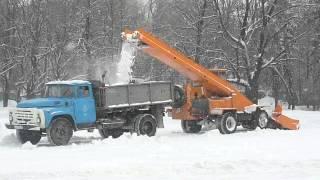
(171, 154)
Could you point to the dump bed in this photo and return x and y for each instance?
(128, 95)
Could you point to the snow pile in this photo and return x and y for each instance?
(126, 61)
(4, 118)
(171, 154)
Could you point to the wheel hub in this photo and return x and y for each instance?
(263, 120)
(146, 128)
(231, 123)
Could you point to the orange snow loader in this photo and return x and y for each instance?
(207, 99)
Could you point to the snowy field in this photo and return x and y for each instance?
(171, 154)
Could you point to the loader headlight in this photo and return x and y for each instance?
(10, 117)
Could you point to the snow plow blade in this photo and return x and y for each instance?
(284, 121)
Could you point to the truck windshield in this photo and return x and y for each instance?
(59, 90)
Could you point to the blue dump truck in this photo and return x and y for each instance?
(69, 106)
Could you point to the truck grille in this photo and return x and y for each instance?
(23, 116)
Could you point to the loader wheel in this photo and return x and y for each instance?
(262, 118)
(104, 133)
(190, 126)
(227, 124)
(25, 135)
(60, 132)
(145, 124)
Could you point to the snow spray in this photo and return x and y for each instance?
(124, 66)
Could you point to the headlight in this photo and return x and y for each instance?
(10, 117)
(38, 119)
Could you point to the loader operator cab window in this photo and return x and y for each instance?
(83, 91)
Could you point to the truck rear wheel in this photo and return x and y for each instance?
(60, 132)
(190, 126)
(26, 135)
(227, 124)
(104, 133)
(145, 124)
(116, 133)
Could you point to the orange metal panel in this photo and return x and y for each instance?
(287, 122)
(283, 120)
(185, 111)
(221, 103)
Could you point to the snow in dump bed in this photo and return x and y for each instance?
(70, 82)
(139, 83)
(171, 154)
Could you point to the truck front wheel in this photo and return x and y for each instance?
(145, 124)
(190, 126)
(25, 135)
(60, 132)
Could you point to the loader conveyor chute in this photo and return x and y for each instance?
(230, 98)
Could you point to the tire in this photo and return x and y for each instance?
(116, 133)
(26, 135)
(179, 97)
(60, 132)
(145, 124)
(262, 119)
(190, 126)
(104, 133)
(227, 124)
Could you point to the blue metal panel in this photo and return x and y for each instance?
(50, 113)
(84, 108)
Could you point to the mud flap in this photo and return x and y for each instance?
(284, 121)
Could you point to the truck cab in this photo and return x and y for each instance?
(72, 101)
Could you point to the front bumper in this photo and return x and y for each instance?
(23, 127)
(26, 119)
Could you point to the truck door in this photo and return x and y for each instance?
(85, 111)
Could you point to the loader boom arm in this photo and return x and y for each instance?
(157, 48)
(212, 83)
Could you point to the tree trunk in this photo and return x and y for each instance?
(6, 92)
(86, 37)
(275, 87)
(200, 24)
(253, 93)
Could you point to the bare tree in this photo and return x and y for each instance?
(257, 30)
